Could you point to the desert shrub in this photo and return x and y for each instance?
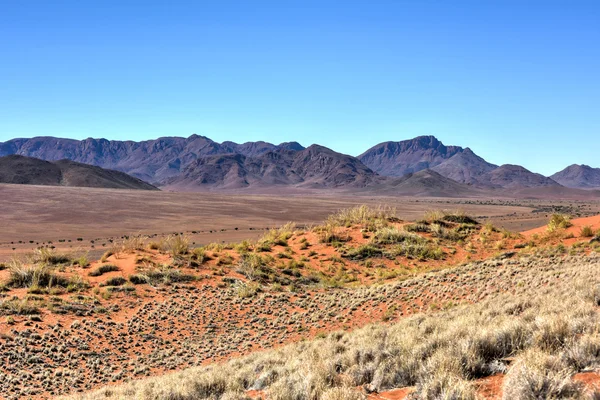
(584, 352)
(246, 289)
(343, 393)
(82, 261)
(559, 221)
(421, 251)
(445, 386)
(44, 255)
(200, 255)
(158, 276)
(106, 254)
(362, 215)
(417, 227)
(441, 232)
(132, 243)
(433, 215)
(103, 269)
(17, 306)
(254, 267)
(36, 275)
(460, 218)
(395, 235)
(278, 236)
(331, 233)
(362, 252)
(586, 231)
(176, 245)
(539, 375)
(115, 281)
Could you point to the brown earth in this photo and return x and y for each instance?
(34, 216)
(106, 334)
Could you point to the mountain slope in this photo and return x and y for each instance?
(27, 170)
(510, 176)
(401, 158)
(578, 177)
(313, 167)
(425, 183)
(464, 167)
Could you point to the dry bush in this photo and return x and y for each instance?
(539, 375)
(45, 255)
(130, 244)
(439, 353)
(586, 231)
(361, 215)
(17, 306)
(38, 276)
(103, 269)
(163, 275)
(433, 215)
(559, 222)
(343, 393)
(420, 251)
(278, 236)
(394, 235)
(176, 245)
(445, 386)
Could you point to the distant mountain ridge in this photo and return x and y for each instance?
(407, 156)
(18, 169)
(314, 167)
(199, 163)
(150, 160)
(578, 177)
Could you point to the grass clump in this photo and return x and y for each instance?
(115, 281)
(442, 232)
(559, 222)
(40, 278)
(540, 375)
(394, 235)
(132, 243)
(255, 267)
(420, 251)
(246, 289)
(276, 237)
(82, 261)
(161, 276)
(586, 231)
(44, 255)
(176, 245)
(103, 269)
(361, 215)
(18, 306)
(363, 252)
(417, 227)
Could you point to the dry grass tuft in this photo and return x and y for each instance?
(559, 222)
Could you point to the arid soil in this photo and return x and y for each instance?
(204, 307)
(88, 220)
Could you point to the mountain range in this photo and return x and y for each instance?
(419, 166)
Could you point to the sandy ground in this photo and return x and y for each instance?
(86, 219)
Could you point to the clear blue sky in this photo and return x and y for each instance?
(517, 81)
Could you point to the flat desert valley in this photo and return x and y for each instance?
(88, 219)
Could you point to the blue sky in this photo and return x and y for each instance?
(517, 81)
